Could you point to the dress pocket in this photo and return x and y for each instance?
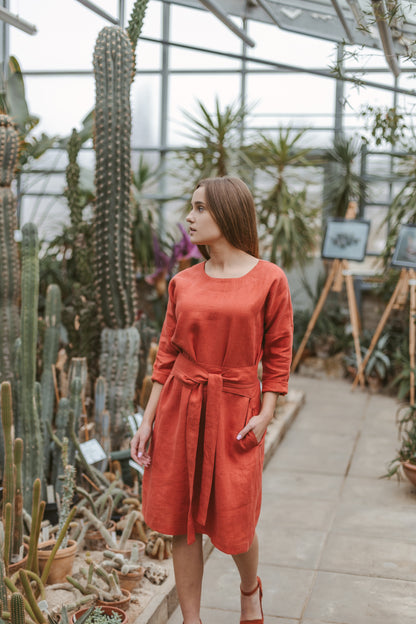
(250, 441)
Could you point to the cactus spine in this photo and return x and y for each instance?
(30, 419)
(50, 355)
(134, 26)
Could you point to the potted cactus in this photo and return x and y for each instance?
(105, 585)
(99, 615)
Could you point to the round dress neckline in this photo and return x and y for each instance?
(227, 279)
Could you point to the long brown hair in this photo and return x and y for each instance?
(232, 207)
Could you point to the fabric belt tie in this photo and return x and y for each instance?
(196, 379)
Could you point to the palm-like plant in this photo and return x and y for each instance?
(287, 221)
(218, 150)
(343, 183)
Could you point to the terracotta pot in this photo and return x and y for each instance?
(131, 580)
(17, 565)
(108, 610)
(63, 561)
(122, 603)
(95, 541)
(127, 551)
(410, 471)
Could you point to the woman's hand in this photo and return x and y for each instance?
(256, 424)
(139, 443)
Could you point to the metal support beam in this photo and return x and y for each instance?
(380, 13)
(18, 22)
(264, 5)
(96, 9)
(343, 21)
(223, 17)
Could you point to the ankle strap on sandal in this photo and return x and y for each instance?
(258, 586)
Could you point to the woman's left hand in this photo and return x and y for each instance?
(256, 424)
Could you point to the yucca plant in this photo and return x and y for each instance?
(288, 226)
(343, 184)
(217, 148)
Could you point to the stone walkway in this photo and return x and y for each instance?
(338, 544)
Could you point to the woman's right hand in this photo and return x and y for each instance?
(139, 443)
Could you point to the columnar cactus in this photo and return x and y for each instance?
(30, 421)
(119, 365)
(50, 355)
(113, 62)
(9, 264)
(17, 609)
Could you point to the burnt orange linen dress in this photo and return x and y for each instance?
(216, 331)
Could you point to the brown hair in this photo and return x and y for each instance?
(232, 207)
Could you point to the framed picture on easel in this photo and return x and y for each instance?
(404, 255)
(345, 239)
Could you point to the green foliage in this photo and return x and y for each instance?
(288, 223)
(218, 150)
(386, 124)
(343, 184)
(13, 102)
(99, 616)
(403, 206)
(406, 419)
(143, 217)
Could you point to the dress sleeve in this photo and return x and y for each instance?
(278, 337)
(167, 352)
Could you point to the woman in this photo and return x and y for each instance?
(206, 417)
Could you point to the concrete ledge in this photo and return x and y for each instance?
(164, 602)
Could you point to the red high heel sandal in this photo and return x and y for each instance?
(258, 587)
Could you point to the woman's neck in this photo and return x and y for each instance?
(228, 261)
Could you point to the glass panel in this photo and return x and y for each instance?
(202, 29)
(282, 46)
(66, 35)
(186, 90)
(148, 55)
(145, 104)
(49, 214)
(60, 102)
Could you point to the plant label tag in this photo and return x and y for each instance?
(92, 451)
(136, 466)
(43, 606)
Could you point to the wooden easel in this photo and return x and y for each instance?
(338, 273)
(406, 282)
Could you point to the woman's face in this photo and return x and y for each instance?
(203, 230)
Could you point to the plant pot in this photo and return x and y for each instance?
(410, 471)
(17, 565)
(95, 541)
(127, 551)
(122, 603)
(108, 610)
(131, 580)
(63, 561)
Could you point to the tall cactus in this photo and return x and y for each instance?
(30, 421)
(116, 289)
(50, 355)
(113, 62)
(9, 264)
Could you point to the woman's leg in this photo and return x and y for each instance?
(247, 564)
(188, 565)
